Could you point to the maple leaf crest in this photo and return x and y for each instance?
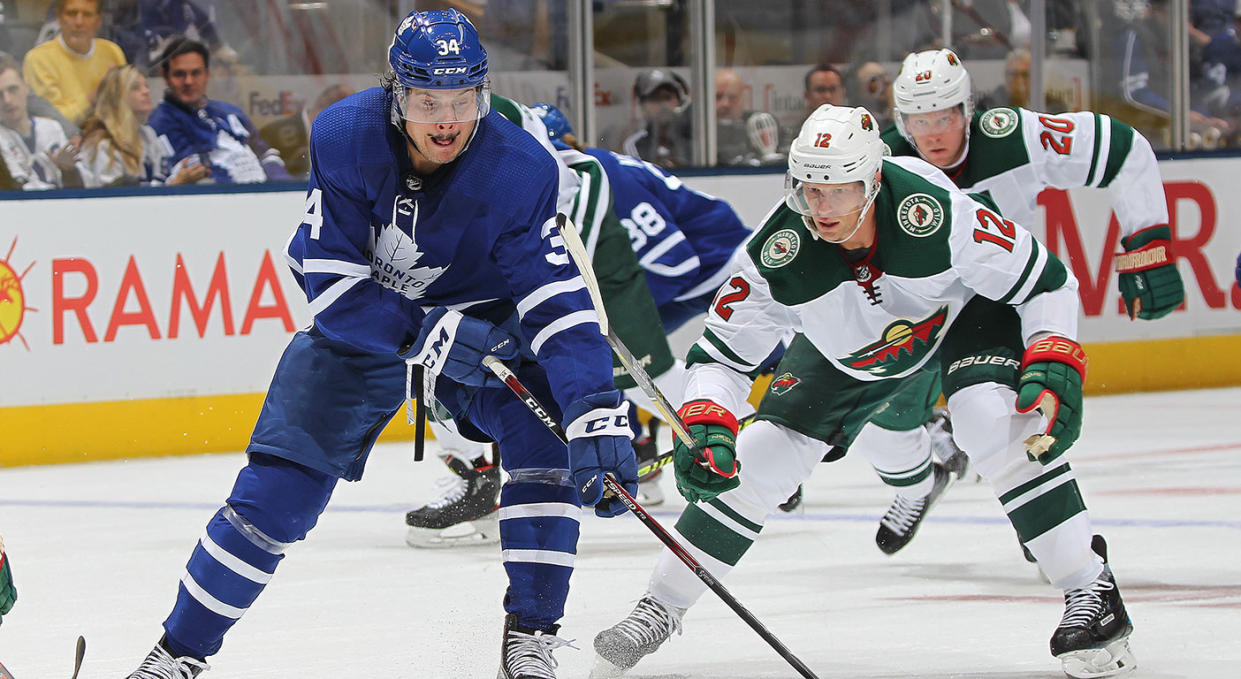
(394, 259)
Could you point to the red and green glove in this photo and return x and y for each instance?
(1052, 372)
(1149, 282)
(711, 467)
(8, 594)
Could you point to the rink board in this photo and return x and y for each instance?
(147, 325)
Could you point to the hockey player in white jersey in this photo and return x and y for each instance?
(886, 270)
(1009, 155)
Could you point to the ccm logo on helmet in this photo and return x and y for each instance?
(449, 71)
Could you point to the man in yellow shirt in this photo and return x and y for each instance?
(66, 70)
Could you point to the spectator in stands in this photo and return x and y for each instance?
(118, 145)
(145, 27)
(867, 84)
(743, 136)
(35, 151)
(218, 133)
(66, 71)
(823, 85)
(290, 135)
(665, 138)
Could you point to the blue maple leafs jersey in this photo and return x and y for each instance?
(684, 239)
(372, 253)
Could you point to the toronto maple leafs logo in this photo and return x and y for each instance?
(394, 255)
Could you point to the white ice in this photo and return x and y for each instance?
(97, 550)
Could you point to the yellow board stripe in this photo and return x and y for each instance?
(110, 430)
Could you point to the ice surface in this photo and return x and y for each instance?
(97, 549)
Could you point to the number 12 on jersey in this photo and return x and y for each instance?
(1007, 231)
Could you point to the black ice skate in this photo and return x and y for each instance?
(465, 513)
(622, 645)
(647, 449)
(900, 523)
(161, 664)
(1093, 637)
(793, 503)
(526, 653)
(946, 451)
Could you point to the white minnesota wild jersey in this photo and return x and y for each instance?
(1015, 153)
(885, 316)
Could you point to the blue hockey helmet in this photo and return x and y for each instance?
(555, 121)
(439, 50)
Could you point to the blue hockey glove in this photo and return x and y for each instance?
(1149, 282)
(599, 443)
(453, 345)
(8, 594)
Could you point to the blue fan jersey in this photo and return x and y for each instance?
(378, 243)
(683, 238)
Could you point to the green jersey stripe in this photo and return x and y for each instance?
(1025, 274)
(1033, 483)
(734, 516)
(1121, 143)
(1045, 512)
(1094, 156)
(704, 532)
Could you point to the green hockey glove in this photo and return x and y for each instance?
(1149, 282)
(8, 594)
(711, 467)
(1052, 372)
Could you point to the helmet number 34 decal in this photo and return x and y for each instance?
(446, 47)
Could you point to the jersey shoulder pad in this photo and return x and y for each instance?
(913, 218)
(796, 266)
(997, 144)
(353, 131)
(506, 107)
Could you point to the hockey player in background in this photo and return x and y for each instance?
(1010, 155)
(629, 213)
(428, 235)
(8, 593)
(886, 270)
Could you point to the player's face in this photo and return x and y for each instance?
(187, 78)
(13, 92)
(139, 97)
(834, 208)
(939, 135)
(440, 123)
(79, 21)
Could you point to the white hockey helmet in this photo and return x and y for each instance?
(934, 80)
(836, 145)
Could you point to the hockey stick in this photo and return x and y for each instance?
(577, 252)
(77, 663)
(502, 371)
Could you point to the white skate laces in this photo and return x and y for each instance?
(1083, 605)
(903, 514)
(159, 664)
(450, 488)
(651, 622)
(530, 655)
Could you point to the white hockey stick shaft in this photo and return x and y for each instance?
(577, 252)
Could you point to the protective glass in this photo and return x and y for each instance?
(444, 106)
(934, 122)
(824, 201)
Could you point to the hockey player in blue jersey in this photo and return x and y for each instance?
(427, 236)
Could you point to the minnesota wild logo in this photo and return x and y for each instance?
(781, 385)
(866, 122)
(998, 122)
(919, 215)
(780, 248)
(903, 346)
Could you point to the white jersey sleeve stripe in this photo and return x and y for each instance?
(561, 324)
(333, 293)
(538, 510)
(335, 266)
(231, 562)
(719, 356)
(546, 292)
(1026, 287)
(710, 285)
(1103, 142)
